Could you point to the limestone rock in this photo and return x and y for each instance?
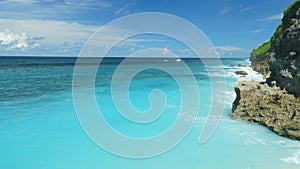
(269, 106)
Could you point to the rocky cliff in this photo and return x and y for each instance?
(278, 60)
(285, 55)
(259, 59)
(270, 106)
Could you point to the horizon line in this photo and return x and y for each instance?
(66, 56)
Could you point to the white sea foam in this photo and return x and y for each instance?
(294, 159)
(252, 75)
(230, 73)
(255, 140)
(230, 96)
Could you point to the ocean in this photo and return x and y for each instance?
(39, 128)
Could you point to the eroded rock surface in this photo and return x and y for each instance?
(270, 106)
(278, 60)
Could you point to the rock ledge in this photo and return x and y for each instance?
(272, 107)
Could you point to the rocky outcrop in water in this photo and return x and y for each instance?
(241, 72)
(278, 60)
(270, 106)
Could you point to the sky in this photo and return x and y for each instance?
(61, 27)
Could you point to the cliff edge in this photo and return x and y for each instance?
(285, 54)
(276, 103)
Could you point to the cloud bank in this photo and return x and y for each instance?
(10, 40)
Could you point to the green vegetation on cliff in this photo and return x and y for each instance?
(290, 7)
(262, 50)
(277, 35)
(290, 12)
(259, 59)
(265, 48)
(260, 56)
(276, 102)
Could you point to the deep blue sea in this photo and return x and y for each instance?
(39, 128)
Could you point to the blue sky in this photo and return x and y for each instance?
(61, 27)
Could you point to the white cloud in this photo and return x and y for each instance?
(227, 48)
(232, 51)
(55, 32)
(87, 3)
(66, 3)
(258, 31)
(58, 37)
(46, 37)
(19, 1)
(10, 40)
(240, 8)
(124, 9)
(272, 18)
(245, 8)
(65, 38)
(222, 51)
(224, 10)
(56, 9)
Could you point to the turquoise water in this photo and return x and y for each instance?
(39, 128)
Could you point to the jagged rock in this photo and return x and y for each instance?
(261, 65)
(241, 72)
(285, 61)
(269, 106)
(278, 60)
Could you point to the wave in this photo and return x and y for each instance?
(294, 159)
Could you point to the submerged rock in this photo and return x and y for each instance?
(241, 72)
(272, 107)
(241, 65)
